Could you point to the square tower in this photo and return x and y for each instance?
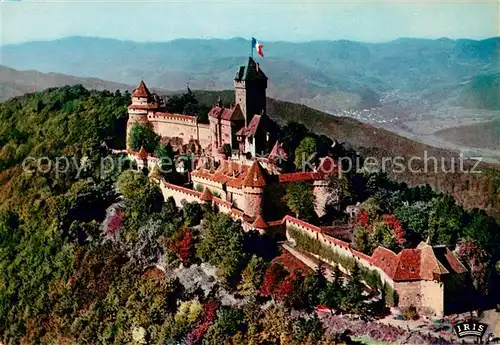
(250, 84)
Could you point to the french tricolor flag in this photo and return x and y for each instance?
(257, 46)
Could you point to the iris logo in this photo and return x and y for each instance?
(470, 329)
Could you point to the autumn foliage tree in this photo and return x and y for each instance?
(478, 260)
(273, 277)
(182, 244)
(209, 316)
(396, 228)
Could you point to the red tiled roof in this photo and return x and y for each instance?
(409, 264)
(361, 255)
(408, 267)
(429, 264)
(385, 259)
(275, 222)
(260, 223)
(278, 152)
(237, 212)
(142, 154)
(206, 195)
(215, 111)
(455, 264)
(141, 91)
(440, 260)
(229, 172)
(226, 113)
(300, 176)
(255, 176)
(251, 129)
(423, 263)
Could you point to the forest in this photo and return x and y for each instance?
(88, 257)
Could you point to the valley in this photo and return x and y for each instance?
(413, 87)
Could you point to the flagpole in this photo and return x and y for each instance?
(251, 47)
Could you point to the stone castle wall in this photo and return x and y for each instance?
(432, 297)
(178, 193)
(339, 247)
(204, 135)
(181, 126)
(181, 193)
(237, 197)
(215, 187)
(426, 296)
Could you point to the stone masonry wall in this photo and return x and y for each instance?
(253, 201)
(339, 247)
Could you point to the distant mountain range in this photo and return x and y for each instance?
(16, 83)
(329, 75)
(414, 87)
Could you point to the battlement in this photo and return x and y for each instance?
(171, 117)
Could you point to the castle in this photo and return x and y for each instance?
(242, 140)
(244, 126)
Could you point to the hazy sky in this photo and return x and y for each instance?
(268, 21)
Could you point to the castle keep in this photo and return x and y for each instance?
(242, 140)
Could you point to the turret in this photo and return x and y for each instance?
(142, 101)
(253, 190)
(324, 195)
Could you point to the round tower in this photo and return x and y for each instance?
(321, 191)
(138, 110)
(253, 190)
(324, 195)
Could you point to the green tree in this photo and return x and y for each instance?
(342, 185)
(300, 199)
(228, 323)
(141, 195)
(166, 155)
(252, 276)
(305, 152)
(314, 285)
(193, 213)
(222, 244)
(446, 220)
(292, 134)
(333, 294)
(362, 240)
(143, 136)
(372, 207)
(484, 230)
(415, 219)
(308, 329)
(353, 300)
